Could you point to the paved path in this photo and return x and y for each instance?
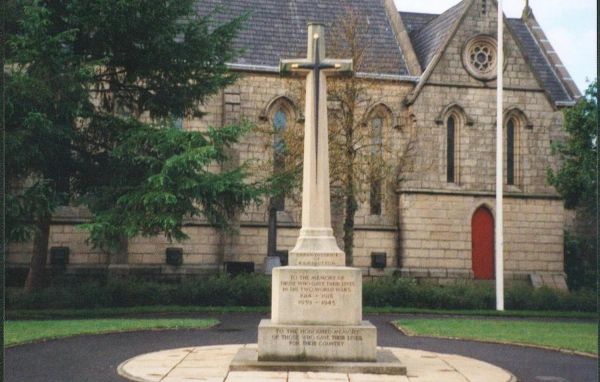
(211, 363)
(95, 358)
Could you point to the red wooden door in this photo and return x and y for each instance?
(482, 240)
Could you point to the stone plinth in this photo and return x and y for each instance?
(348, 343)
(316, 296)
(317, 247)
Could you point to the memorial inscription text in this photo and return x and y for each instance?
(317, 337)
(319, 259)
(316, 290)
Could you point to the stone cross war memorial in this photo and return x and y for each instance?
(316, 314)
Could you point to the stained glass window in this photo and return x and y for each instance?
(279, 151)
(376, 148)
(450, 151)
(510, 152)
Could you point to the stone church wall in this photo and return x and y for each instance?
(436, 236)
(451, 84)
(435, 215)
(517, 73)
(256, 92)
(475, 151)
(208, 248)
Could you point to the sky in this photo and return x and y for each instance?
(569, 25)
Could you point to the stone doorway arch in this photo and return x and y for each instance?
(482, 244)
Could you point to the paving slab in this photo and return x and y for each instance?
(378, 378)
(385, 363)
(422, 366)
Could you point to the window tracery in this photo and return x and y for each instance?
(480, 57)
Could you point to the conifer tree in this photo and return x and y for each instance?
(91, 88)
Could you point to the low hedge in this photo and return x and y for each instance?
(407, 293)
(130, 292)
(252, 291)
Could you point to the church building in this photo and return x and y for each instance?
(435, 80)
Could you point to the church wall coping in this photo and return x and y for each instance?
(275, 70)
(475, 193)
(469, 86)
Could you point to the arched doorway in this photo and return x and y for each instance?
(482, 241)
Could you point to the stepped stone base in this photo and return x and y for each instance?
(386, 363)
(347, 343)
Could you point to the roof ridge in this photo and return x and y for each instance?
(556, 64)
(402, 38)
(461, 10)
(420, 13)
(277, 29)
(546, 75)
(537, 43)
(439, 16)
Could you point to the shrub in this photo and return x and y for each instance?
(581, 261)
(407, 293)
(134, 292)
(253, 290)
(76, 295)
(526, 298)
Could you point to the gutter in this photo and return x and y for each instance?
(371, 76)
(565, 103)
(476, 193)
(392, 77)
(254, 68)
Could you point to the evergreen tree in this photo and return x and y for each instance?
(45, 94)
(577, 181)
(91, 86)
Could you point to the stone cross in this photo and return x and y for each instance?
(316, 244)
(315, 63)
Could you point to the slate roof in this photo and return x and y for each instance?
(277, 29)
(428, 39)
(538, 61)
(415, 21)
(427, 33)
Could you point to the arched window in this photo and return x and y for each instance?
(177, 119)
(279, 151)
(510, 152)
(279, 124)
(516, 123)
(376, 157)
(450, 152)
(379, 121)
(454, 119)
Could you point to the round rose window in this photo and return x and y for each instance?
(480, 57)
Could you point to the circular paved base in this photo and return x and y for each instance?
(211, 364)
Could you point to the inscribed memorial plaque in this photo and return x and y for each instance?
(323, 295)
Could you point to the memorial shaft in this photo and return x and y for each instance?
(316, 244)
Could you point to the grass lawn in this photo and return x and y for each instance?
(561, 335)
(484, 313)
(173, 309)
(131, 311)
(16, 332)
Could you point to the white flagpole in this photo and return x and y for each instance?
(499, 169)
